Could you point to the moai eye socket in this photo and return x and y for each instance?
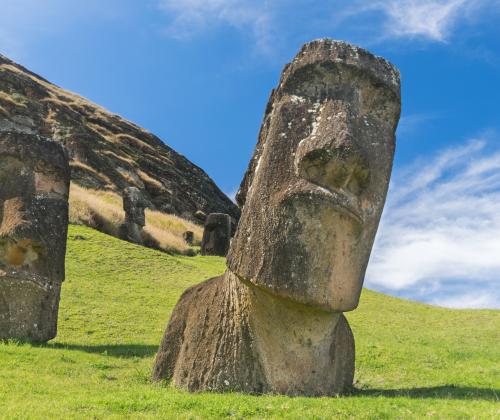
(340, 168)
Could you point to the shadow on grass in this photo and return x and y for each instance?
(439, 392)
(114, 350)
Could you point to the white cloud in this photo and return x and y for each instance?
(192, 16)
(268, 21)
(409, 124)
(232, 195)
(422, 18)
(472, 300)
(439, 238)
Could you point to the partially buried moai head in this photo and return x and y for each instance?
(34, 186)
(216, 234)
(315, 188)
(134, 204)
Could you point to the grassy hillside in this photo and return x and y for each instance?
(106, 151)
(103, 210)
(413, 360)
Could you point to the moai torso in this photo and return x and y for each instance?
(34, 186)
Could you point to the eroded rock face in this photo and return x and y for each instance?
(34, 186)
(313, 196)
(216, 235)
(134, 204)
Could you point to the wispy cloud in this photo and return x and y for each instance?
(268, 22)
(409, 124)
(189, 17)
(232, 195)
(439, 239)
(429, 19)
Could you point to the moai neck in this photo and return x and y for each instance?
(298, 346)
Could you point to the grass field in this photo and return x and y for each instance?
(413, 360)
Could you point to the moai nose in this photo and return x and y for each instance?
(330, 156)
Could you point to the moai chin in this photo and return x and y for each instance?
(134, 204)
(216, 235)
(34, 186)
(313, 196)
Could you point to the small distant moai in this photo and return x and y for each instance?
(34, 187)
(134, 204)
(188, 237)
(312, 198)
(216, 235)
(200, 215)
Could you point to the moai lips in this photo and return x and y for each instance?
(312, 199)
(34, 186)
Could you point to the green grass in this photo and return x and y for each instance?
(413, 360)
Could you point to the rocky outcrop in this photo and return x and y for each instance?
(106, 151)
(34, 186)
(216, 235)
(312, 200)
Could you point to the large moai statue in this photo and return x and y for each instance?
(34, 186)
(312, 199)
(216, 235)
(134, 204)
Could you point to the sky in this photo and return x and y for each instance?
(198, 74)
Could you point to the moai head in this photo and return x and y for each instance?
(217, 235)
(314, 191)
(188, 237)
(134, 204)
(34, 186)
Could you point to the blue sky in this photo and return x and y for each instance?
(198, 74)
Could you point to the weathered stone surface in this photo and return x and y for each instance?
(188, 237)
(134, 204)
(216, 235)
(34, 185)
(106, 151)
(313, 196)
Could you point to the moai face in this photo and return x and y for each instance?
(216, 235)
(34, 186)
(134, 205)
(315, 189)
